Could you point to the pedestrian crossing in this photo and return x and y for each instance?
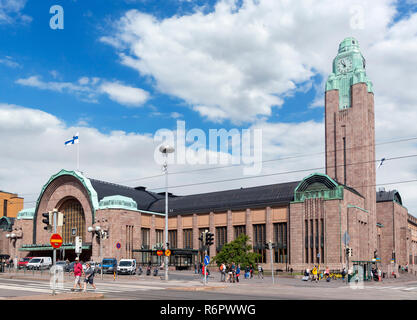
(44, 287)
(399, 288)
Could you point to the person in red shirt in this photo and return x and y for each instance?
(78, 271)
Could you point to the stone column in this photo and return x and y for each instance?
(269, 232)
(212, 229)
(195, 233)
(152, 236)
(249, 227)
(180, 240)
(229, 226)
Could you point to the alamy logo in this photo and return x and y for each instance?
(57, 20)
(222, 147)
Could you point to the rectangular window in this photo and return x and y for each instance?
(322, 240)
(259, 236)
(280, 241)
(311, 241)
(129, 242)
(146, 238)
(306, 241)
(5, 208)
(221, 237)
(239, 230)
(172, 238)
(159, 238)
(188, 238)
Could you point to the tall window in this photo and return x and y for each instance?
(146, 238)
(129, 242)
(159, 237)
(172, 238)
(311, 241)
(188, 238)
(280, 239)
(259, 236)
(322, 241)
(306, 241)
(5, 208)
(221, 237)
(74, 220)
(239, 230)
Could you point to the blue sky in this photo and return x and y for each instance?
(121, 70)
(75, 52)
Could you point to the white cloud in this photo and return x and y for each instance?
(125, 95)
(89, 89)
(8, 61)
(238, 63)
(10, 12)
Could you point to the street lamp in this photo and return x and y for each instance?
(165, 150)
(99, 233)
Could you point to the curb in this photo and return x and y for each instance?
(195, 288)
(63, 296)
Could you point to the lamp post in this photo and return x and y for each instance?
(165, 150)
(99, 233)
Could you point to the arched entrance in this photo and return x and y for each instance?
(74, 220)
(74, 225)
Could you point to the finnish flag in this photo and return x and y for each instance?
(73, 140)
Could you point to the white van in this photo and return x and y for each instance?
(40, 263)
(126, 266)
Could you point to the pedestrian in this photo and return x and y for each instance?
(237, 273)
(204, 273)
(327, 274)
(89, 277)
(195, 268)
(247, 272)
(222, 272)
(314, 272)
(379, 275)
(233, 268)
(200, 267)
(251, 271)
(260, 272)
(343, 274)
(78, 271)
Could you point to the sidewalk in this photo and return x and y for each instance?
(61, 296)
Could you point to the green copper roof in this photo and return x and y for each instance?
(348, 69)
(26, 214)
(318, 185)
(118, 202)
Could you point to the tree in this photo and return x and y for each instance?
(238, 251)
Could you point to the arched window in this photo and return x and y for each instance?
(74, 220)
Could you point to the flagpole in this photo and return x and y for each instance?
(78, 156)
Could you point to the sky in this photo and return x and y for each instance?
(119, 72)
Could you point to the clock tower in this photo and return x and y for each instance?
(350, 131)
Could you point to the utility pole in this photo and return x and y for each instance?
(54, 256)
(272, 261)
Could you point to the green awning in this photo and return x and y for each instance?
(50, 248)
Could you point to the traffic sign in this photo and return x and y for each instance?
(118, 245)
(159, 253)
(56, 240)
(167, 252)
(206, 260)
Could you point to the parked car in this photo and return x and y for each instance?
(109, 265)
(39, 263)
(126, 266)
(94, 265)
(61, 264)
(23, 262)
(69, 267)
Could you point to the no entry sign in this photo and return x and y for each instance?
(56, 240)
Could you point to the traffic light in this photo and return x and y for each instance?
(202, 238)
(349, 252)
(46, 220)
(209, 238)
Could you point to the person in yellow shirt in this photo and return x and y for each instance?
(314, 272)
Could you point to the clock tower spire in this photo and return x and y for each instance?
(350, 129)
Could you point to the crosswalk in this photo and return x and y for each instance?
(44, 287)
(399, 288)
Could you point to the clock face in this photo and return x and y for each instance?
(344, 65)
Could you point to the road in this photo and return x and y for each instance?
(187, 286)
